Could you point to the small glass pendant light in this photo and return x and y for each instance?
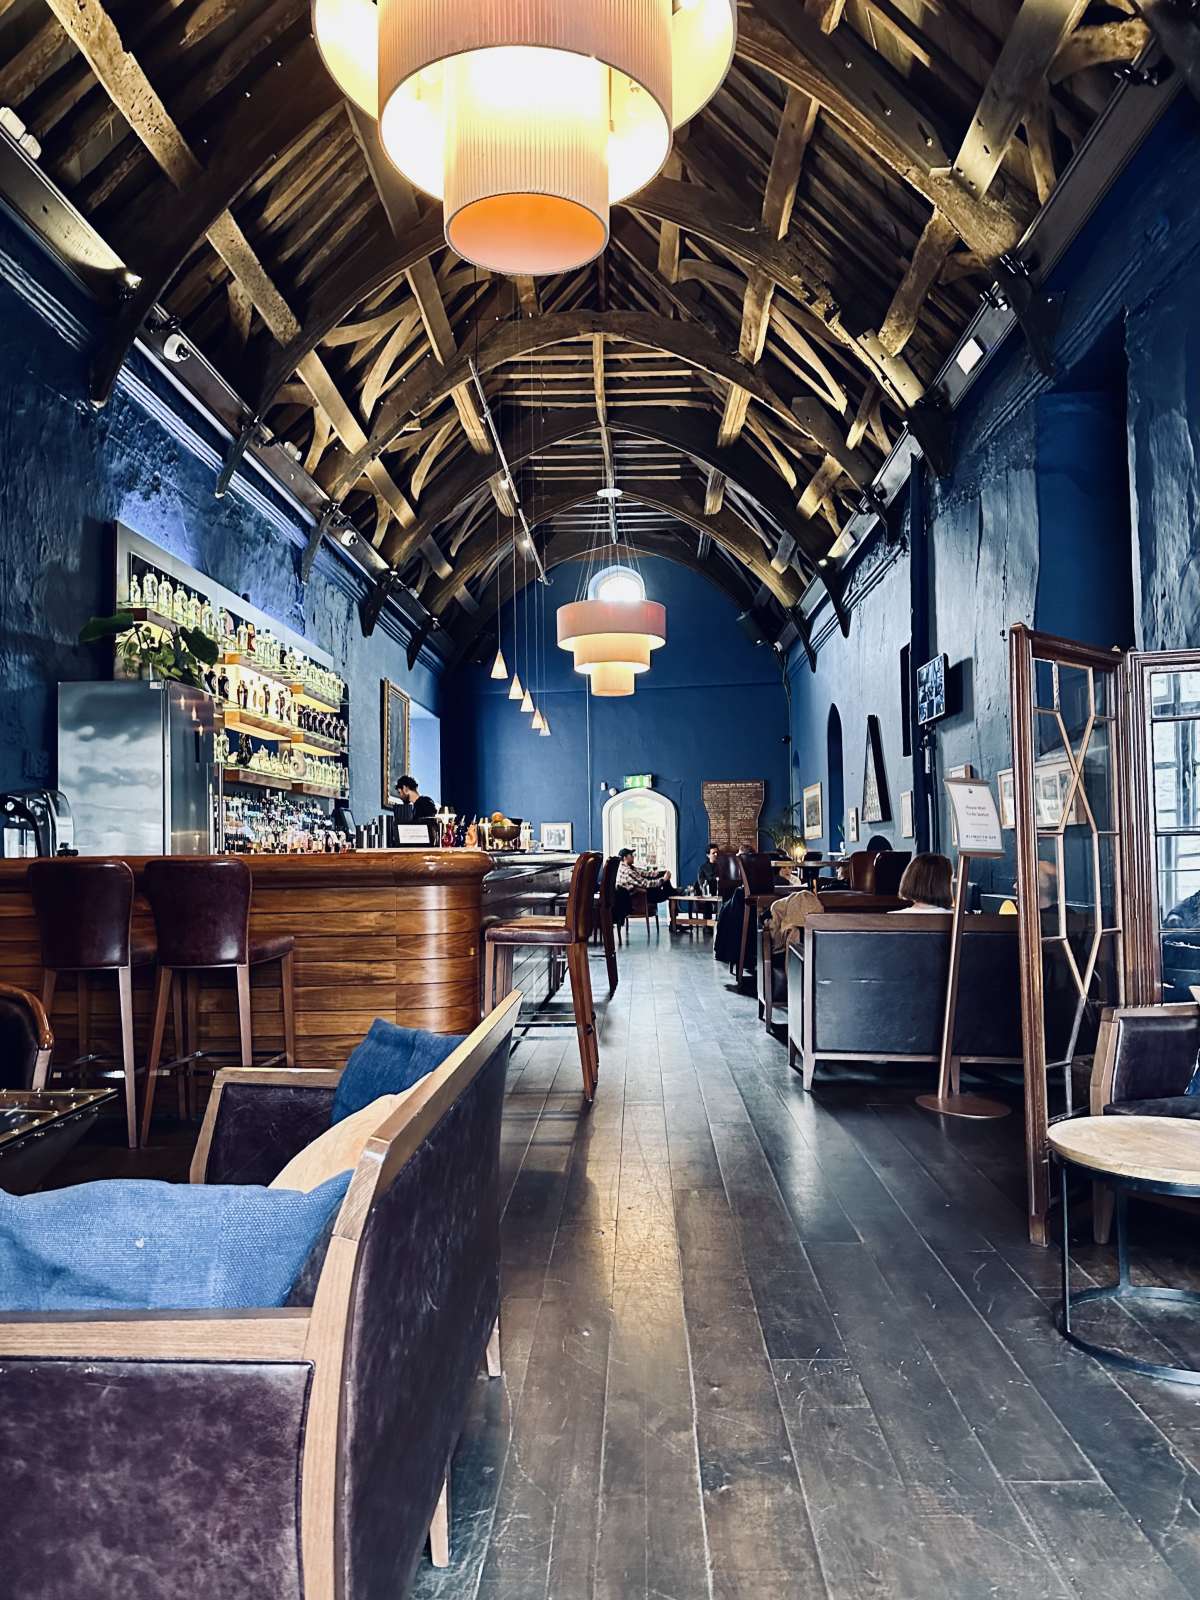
(544, 730)
(515, 691)
(538, 723)
(499, 666)
(527, 703)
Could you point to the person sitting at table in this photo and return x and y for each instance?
(656, 886)
(708, 878)
(927, 882)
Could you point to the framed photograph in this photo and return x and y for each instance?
(965, 771)
(556, 835)
(876, 804)
(907, 825)
(813, 822)
(931, 690)
(394, 742)
(852, 825)
(1008, 807)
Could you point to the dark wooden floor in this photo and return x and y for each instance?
(764, 1344)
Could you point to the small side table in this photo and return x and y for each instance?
(1135, 1155)
(693, 911)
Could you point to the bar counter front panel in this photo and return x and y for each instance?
(392, 934)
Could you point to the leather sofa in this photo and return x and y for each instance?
(772, 964)
(297, 1453)
(868, 987)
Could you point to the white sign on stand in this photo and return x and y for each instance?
(977, 831)
(976, 820)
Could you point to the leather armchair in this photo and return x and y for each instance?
(1145, 1057)
(26, 1041)
(303, 1449)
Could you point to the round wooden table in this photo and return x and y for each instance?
(1135, 1155)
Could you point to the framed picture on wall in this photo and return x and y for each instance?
(813, 821)
(876, 805)
(393, 745)
(852, 825)
(1008, 807)
(556, 835)
(907, 825)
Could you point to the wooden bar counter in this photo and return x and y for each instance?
(392, 934)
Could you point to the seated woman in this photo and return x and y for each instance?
(927, 882)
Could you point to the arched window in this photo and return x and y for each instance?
(617, 583)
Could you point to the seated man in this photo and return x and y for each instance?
(708, 879)
(656, 886)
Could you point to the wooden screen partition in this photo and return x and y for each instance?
(1068, 755)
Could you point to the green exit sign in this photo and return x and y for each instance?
(640, 780)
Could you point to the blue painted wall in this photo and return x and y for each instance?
(711, 707)
(1074, 504)
(67, 473)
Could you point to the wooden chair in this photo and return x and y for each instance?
(639, 906)
(84, 912)
(606, 928)
(201, 909)
(569, 934)
(26, 1040)
(303, 1448)
(757, 870)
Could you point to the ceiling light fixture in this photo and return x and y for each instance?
(528, 118)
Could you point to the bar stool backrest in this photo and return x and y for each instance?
(758, 871)
(84, 910)
(889, 869)
(608, 882)
(579, 897)
(861, 871)
(201, 908)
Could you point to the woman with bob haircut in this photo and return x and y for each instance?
(927, 883)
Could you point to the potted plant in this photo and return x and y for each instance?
(786, 831)
(180, 656)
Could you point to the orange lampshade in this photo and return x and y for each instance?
(610, 680)
(599, 618)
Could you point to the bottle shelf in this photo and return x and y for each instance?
(234, 658)
(310, 697)
(317, 745)
(238, 721)
(300, 786)
(258, 780)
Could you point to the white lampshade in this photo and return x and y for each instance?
(610, 680)
(703, 36)
(527, 117)
(515, 691)
(544, 730)
(499, 666)
(601, 649)
(538, 723)
(598, 618)
(347, 35)
(527, 702)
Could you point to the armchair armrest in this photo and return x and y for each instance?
(258, 1118)
(269, 1334)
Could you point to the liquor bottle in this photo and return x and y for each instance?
(135, 591)
(243, 694)
(207, 620)
(181, 607)
(243, 638)
(225, 630)
(195, 611)
(250, 638)
(223, 684)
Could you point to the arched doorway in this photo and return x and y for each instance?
(836, 814)
(645, 821)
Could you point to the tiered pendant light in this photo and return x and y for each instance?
(528, 118)
(611, 640)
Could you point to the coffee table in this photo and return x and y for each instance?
(1135, 1155)
(684, 912)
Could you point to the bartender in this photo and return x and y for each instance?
(414, 806)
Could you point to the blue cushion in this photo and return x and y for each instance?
(137, 1245)
(388, 1061)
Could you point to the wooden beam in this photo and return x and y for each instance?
(1035, 38)
(850, 82)
(95, 35)
(1179, 34)
(1039, 135)
(668, 233)
(682, 431)
(511, 341)
(934, 245)
(1099, 45)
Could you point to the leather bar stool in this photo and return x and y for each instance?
(569, 934)
(201, 907)
(84, 911)
(606, 928)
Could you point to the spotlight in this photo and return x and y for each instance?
(176, 348)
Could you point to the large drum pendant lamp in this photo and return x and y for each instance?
(528, 118)
(616, 633)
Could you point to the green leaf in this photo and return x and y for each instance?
(105, 627)
(201, 646)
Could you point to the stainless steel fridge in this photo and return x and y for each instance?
(135, 760)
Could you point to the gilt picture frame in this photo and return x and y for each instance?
(395, 724)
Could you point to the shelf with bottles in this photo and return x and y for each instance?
(258, 780)
(290, 680)
(319, 789)
(278, 824)
(238, 721)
